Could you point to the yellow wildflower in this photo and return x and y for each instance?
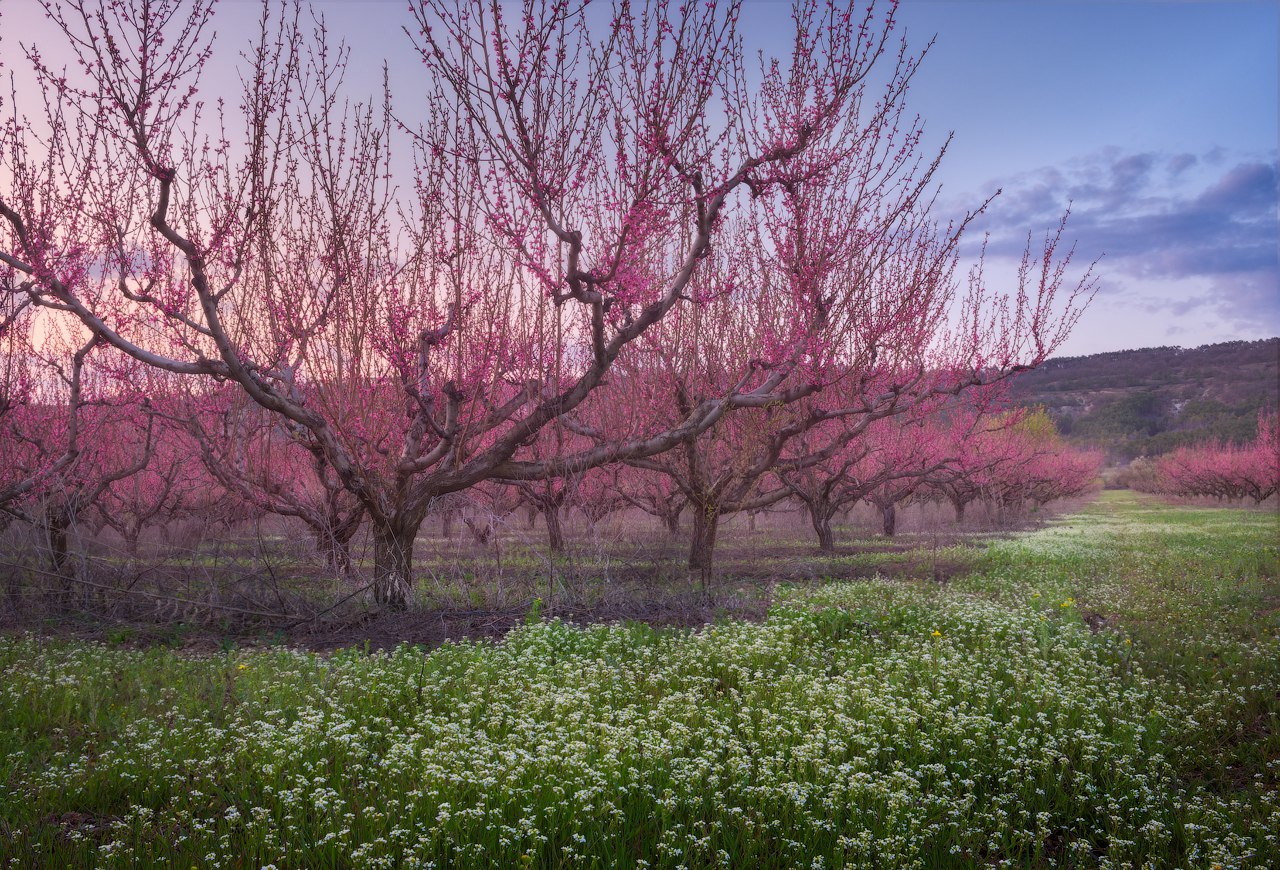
(937, 633)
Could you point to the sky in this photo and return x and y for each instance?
(1157, 122)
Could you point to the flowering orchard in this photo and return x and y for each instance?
(612, 245)
(1224, 471)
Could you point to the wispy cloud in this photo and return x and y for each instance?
(1159, 218)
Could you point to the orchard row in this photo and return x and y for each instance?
(577, 243)
(137, 467)
(1223, 471)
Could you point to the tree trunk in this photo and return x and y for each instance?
(1009, 509)
(336, 550)
(446, 524)
(706, 521)
(132, 537)
(959, 506)
(12, 585)
(531, 518)
(341, 556)
(392, 566)
(672, 522)
(890, 512)
(822, 525)
(57, 527)
(13, 588)
(59, 555)
(555, 533)
(481, 531)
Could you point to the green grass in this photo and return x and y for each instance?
(1102, 692)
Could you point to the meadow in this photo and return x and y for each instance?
(1102, 692)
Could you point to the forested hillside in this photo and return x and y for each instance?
(1150, 401)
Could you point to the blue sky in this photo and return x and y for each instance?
(1157, 120)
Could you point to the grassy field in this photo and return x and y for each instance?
(1103, 692)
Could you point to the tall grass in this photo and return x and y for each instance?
(1099, 693)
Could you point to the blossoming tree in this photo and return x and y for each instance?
(416, 329)
(1225, 471)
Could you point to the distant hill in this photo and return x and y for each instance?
(1150, 401)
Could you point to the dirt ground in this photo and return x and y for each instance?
(267, 588)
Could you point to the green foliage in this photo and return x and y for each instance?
(1144, 414)
(1037, 425)
(1099, 693)
(1151, 401)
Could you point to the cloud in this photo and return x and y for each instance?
(1190, 242)
(1151, 215)
(1248, 188)
(1247, 299)
(1180, 163)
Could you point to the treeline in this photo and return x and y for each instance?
(1152, 401)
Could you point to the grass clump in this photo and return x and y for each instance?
(1100, 693)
